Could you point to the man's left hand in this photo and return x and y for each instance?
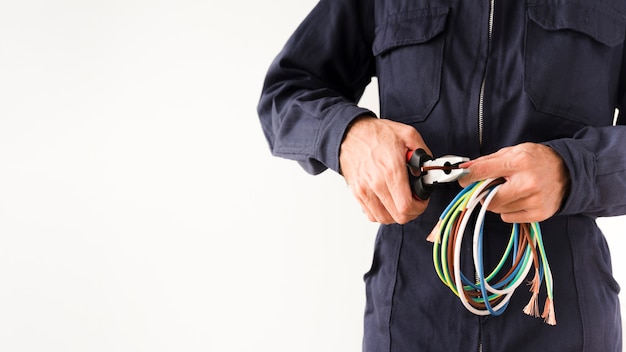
(537, 181)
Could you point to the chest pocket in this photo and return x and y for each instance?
(572, 59)
(409, 54)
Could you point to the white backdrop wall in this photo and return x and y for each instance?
(140, 209)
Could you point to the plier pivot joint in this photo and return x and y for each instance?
(425, 172)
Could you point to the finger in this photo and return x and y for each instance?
(413, 140)
(491, 167)
(378, 213)
(509, 193)
(502, 205)
(411, 210)
(515, 217)
(417, 208)
(519, 210)
(370, 203)
(406, 206)
(395, 193)
(516, 205)
(528, 209)
(522, 216)
(375, 211)
(400, 204)
(498, 154)
(502, 163)
(383, 205)
(401, 197)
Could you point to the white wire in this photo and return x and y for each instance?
(478, 195)
(479, 221)
(471, 204)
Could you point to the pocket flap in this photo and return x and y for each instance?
(408, 28)
(598, 21)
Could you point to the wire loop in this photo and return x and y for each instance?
(489, 294)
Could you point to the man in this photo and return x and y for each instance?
(528, 89)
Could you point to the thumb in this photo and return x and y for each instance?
(414, 141)
(490, 166)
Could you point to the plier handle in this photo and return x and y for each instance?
(425, 172)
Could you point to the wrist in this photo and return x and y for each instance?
(359, 121)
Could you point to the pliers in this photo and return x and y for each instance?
(426, 172)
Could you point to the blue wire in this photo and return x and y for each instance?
(458, 196)
(479, 283)
(481, 277)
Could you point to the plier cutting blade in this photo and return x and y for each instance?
(426, 172)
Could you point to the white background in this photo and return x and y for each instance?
(140, 208)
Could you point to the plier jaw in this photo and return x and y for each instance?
(425, 172)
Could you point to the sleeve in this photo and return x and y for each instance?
(311, 90)
(596, 159)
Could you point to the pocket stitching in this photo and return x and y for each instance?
(388, 42)
(570, 113)
(608, 37)
(391, 36)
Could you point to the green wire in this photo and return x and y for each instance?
(440, 257)
(544, 259)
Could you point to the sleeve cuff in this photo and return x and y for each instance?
(581, 167)
(332, 130)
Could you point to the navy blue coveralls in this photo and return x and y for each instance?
(471, 77)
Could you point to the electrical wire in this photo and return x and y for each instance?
(491, 292)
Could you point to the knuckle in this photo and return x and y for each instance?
(408, 130)
(387, 174)
(404, 218)
(524, 185)
(539, 215)
(477, 172)
(508, 218)
(527, 188)
(359, 189)
(511, 163)
(404, 207)
(525, 155)
(401, 218)
(411, 211)
(386, 219)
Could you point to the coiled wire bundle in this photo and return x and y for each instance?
(525, 250)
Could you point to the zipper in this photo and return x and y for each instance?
(481, 117)
(481, 99)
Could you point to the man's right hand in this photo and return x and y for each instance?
(373, 162)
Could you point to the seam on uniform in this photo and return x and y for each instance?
(395, 282)
(577, 281)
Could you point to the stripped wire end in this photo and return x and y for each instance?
(535, 283)
(489, 298)
(434, 234)
(549, 315)
(532, 308)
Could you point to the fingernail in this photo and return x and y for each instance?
(466, 164)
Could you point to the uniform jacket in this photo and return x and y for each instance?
(471, 77)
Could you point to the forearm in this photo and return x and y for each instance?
(312, 88)
(307, 130)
